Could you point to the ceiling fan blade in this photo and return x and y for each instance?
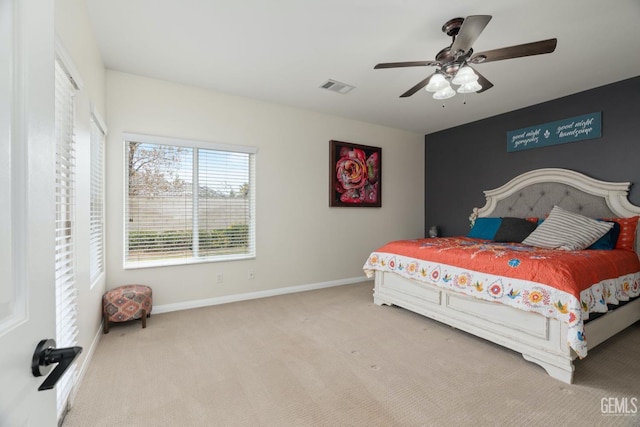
(482, 81)
(406, 64)
(417, 87)
(518, 51)
(469, 32)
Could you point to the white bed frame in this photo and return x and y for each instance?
(540, 340)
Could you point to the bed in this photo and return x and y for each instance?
(551, 328)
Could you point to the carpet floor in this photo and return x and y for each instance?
(332, 358)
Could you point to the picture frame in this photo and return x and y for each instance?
(355, 173)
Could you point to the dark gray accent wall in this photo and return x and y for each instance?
(462, 162)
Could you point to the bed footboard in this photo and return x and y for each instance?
(539, 339)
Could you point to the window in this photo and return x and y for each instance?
(65, 274)
(96, 214)
(187, 202)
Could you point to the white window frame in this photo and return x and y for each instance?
(66, 280)
(178, 142)
(97, 200)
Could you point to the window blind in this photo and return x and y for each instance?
(65, 280)
(96, 215)
(186, 203)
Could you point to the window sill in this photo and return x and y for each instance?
(133, 265)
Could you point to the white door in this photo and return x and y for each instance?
(27, 207)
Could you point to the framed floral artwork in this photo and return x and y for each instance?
(355, 175)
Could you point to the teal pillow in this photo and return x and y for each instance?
(608, 241)
(485, 228)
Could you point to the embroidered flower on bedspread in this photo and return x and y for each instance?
(535, 297)
(412, 268)
(392, 263)
(514, 262)
(435, 274)
(496, 290)
(462, 280)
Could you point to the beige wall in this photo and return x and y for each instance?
(300, 240)
(74, 30)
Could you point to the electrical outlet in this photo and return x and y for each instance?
(219, 278)
(251, 275)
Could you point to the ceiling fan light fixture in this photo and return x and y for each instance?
(445, 93)
(454, 62)
(436, 83)
(464, 76)
(469, 87)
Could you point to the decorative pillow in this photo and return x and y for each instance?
(627, 237)
(514, 229)
(608, 241)
(485, 228)
(567, 230)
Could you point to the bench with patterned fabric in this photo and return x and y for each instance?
(126, 303)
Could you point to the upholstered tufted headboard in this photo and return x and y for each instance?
(534, 193)
(538, 199)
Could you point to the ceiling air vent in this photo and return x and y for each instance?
(336, 86)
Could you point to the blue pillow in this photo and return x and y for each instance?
(608, 241)
(485, 228)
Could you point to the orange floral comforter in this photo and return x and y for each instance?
(566, 285)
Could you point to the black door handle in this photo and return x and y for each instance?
(47, 354)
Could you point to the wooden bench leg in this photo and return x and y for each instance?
(105, 322)
(144, 319)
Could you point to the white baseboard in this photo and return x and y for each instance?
(85, 366)
(165, 308)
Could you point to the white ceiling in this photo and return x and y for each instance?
(281, 51)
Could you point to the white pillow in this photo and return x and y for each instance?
(567, 230)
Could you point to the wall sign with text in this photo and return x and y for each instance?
(578, 128)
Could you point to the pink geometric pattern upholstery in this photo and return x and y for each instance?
(125, 303)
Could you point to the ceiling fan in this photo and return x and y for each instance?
(454, 61)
